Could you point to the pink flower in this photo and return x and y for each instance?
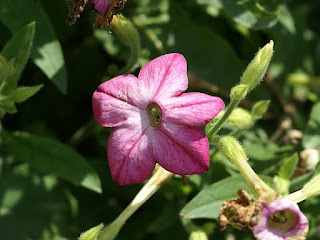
(280, 220)
(155, 121)
(101, 6)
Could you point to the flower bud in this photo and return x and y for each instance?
(258, 67)
(198, 235)
(230, 147)
(239, 92)
(240, 118)
(125, 31)
(259, 109)
(299, 79)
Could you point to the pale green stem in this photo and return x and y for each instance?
(154, 183)
(297, 196)
(215, 128)
(259, 188)
(132, 62)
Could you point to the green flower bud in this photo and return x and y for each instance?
(281, 185)
(125, 31)
(299, 79)
(258, 67)
(259, 109)
(233, 150)
(91, 234)
(239, 92)
(240, 118)
(198, 235)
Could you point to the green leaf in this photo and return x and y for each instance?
(18, 48)
(6, 69)
(52, 157)
(23, 93)
(91, 234)
(250, 13)
(208, 202)
(27, 207)
(46, 52)
(287, 166)
(8, 107)
(311, 136)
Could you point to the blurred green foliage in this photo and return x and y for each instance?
(54, 177)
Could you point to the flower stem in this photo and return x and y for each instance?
(257, 185)
(297, 196)
(215, 128)
(154, 183)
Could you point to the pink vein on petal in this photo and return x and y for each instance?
(118, 101)
(165, 76)
(181, 149)
(193, 109)
(130, 155)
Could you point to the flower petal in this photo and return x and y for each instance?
(118, 101)
(165, 76)
(182, 150)
(130, 155)
(263, 230)
(101, 6)
(193, 109)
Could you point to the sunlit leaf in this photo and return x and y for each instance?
(250, 13)
(18, 50)
(46, 51)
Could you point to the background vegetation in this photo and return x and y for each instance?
(54, 176)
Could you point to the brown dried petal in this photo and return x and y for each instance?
(237, 213)
(75, 7)
(102, 20)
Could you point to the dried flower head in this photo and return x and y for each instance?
(104, 10)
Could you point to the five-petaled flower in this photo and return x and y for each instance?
(155, 121)
(281, 220)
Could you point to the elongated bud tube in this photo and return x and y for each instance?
(230, 147)
(258, 67)
(311, 189)
(125, 31)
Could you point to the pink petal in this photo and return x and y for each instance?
(193, 109)
(130, 155)
(101, 5)
(118, 101)
(165, 76)
(179, 149)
